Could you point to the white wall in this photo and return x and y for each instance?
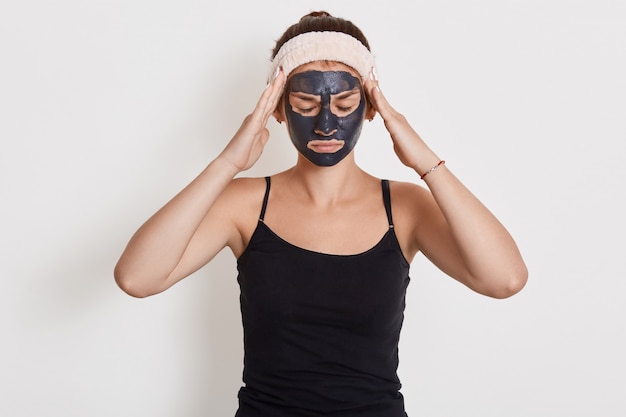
(107, 108)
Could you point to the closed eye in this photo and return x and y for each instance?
(346, 102)
(304, 104)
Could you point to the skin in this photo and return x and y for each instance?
(442, 219)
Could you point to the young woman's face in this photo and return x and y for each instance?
(325, 112)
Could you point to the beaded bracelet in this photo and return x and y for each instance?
(432, 169)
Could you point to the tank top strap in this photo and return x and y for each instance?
(265, 198)
(387, 201)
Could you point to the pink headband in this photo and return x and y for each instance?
(323, 46)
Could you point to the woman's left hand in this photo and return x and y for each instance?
(454, 229)
(408, 145)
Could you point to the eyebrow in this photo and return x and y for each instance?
(303, 95)
(310, 97)
(349, 93)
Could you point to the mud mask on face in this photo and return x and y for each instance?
(325, 112)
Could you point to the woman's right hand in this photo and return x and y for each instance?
(191, 228)
(246, 146)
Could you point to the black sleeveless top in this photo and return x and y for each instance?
(321, 331)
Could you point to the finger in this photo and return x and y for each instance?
(377, 97)
(269, 98)
(277, 87)
(380, 101)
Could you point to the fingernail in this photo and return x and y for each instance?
(276, 72)
(373, 74)
(271, 79)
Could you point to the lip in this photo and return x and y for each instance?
(325, 146)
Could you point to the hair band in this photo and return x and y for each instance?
(323, 46)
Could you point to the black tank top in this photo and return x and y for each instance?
(321, 331)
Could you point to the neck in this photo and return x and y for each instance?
(326, 185)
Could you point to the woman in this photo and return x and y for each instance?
(323, 255)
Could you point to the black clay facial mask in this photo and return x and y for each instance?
(324, 111)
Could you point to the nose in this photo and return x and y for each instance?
(326, 123)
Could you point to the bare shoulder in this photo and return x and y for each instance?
(245, 188)
(240, 205)
(412, 206)
(241, 198)
(404, 193)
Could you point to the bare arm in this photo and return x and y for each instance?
(455, 231)
(167, 247)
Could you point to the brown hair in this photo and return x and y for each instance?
(320, 21)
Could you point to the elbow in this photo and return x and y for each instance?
(499, 284)
(512, 283)
(129, 284)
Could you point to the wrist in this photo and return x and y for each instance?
(425, 162)
(224, 166)
(430, 170)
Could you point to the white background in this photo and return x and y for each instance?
(108, 108)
